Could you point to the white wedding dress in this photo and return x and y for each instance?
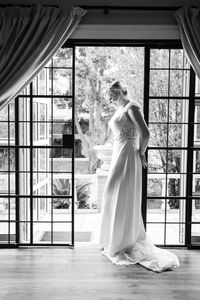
(122, 232)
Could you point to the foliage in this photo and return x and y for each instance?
(61, 187)
(83, 193)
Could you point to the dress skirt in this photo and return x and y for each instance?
(122, 232)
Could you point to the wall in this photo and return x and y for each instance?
(122, 24)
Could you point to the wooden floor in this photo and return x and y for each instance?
(82, 273)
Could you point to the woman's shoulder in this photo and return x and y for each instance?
(133, 104)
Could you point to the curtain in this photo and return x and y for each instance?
(189, 25)
(29, 37)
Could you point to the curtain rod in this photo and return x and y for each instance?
(106, 8)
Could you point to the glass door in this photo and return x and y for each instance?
(167, 112)
(39, 146)
(194, 205)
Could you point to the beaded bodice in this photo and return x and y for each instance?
(123, 128)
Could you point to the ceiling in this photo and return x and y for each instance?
(108, 2)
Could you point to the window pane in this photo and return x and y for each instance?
(61, 186)
(175, 234)
(158, 110)
(39, 233)
(4, 183)
(196, 164)
(156, 161)
(62, 81)
(176, 138)
(176, 161)
(196, 210)
(195, 236)
(24, 232)
(174, 185)
(155, 210)
(12, 232)
(24, 209)
(12, 209)
(11, 111)
(42, 159)
(196, 185)
(4, 131)
(156, 186)
(42, 208)
(156, 233)
(62, 209)
(176, 58)
(63, 57)
(4, 207)
(4, 233)
(12, 131)
(62, 233)
(159, 83)
(177, 83)
(158, 135)
(4, 114)
(62, 110)
(175, 210)
(159, 58)
(178, 111)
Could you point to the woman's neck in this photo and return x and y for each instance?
(122, 102)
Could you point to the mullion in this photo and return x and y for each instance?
(31, 162)
(167, 143)
(42, 244)
(171, 69)
(159, 222)
(9, 178)
(146, 116)
(188, 212)
(3, 221)
(169, 97)
(52, 129)
(42, 172)
(17, 170)
(35, 196)
(60, 68)
(173, 123)
(34, 146)
(50, 96)
(73, 150)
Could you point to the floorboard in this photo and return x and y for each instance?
(82, 273)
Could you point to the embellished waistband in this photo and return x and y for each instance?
(123, 138)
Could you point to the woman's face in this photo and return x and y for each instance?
(113, 96)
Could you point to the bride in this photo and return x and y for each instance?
(122, 233)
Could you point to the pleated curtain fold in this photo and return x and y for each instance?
(188, 19)
(29, 37)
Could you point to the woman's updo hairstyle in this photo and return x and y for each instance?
(118, 89)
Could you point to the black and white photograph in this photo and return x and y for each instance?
(99, 150)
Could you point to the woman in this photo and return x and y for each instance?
(122, 232)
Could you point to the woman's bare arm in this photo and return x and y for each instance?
(136, 116)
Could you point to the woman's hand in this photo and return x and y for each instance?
(143, 160)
